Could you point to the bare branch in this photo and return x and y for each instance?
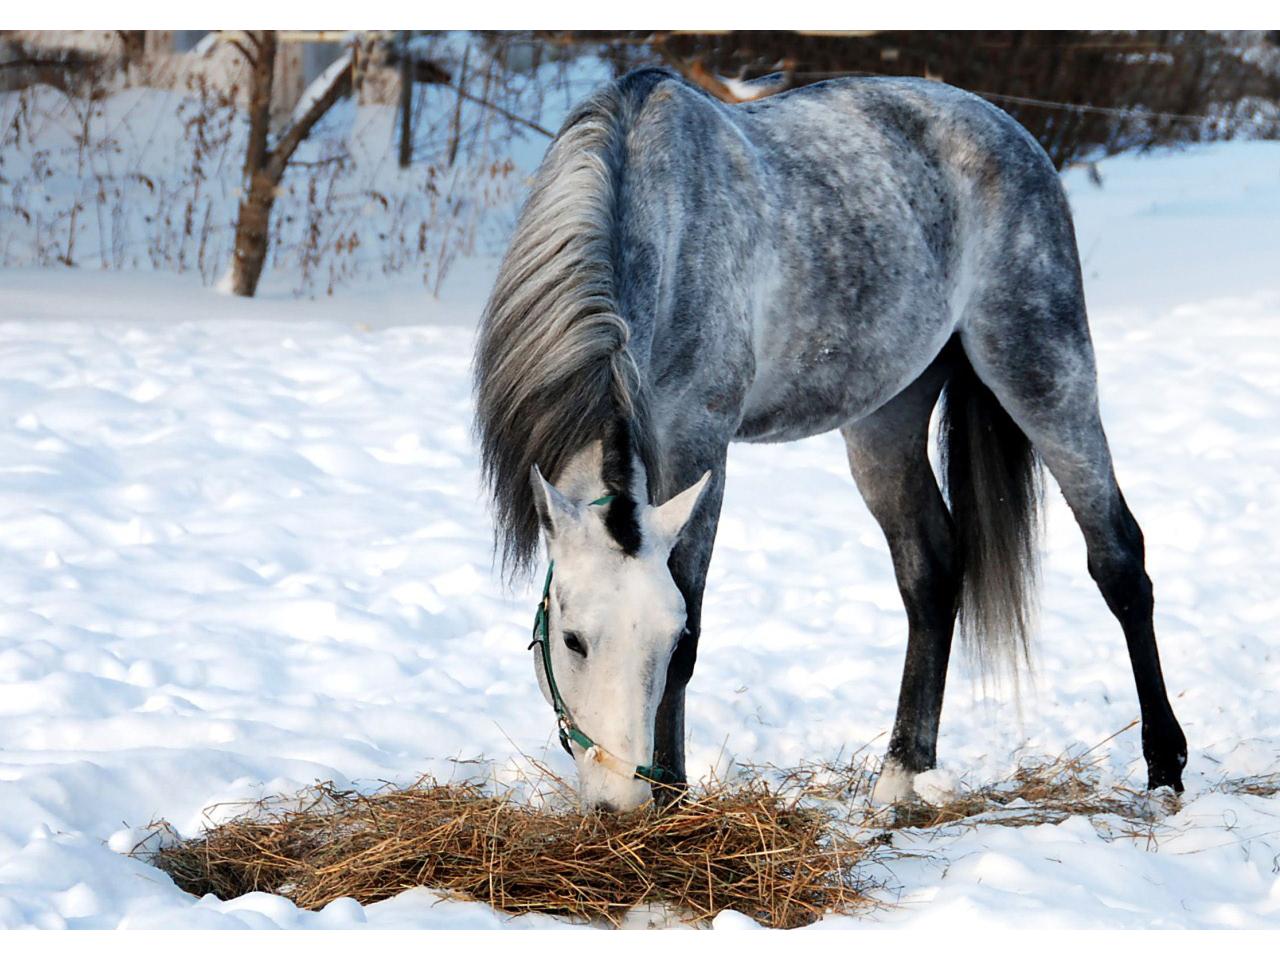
(502, 111)
(455, 126)
(339, 87)
(244, 51)
(25, 62)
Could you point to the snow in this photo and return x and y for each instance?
(243, 548)
(938, 787)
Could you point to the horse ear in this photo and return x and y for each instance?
(670, 518)
(553, 506)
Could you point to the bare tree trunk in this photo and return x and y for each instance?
(264, 165)
(133, 49)
(257, 191)
(406, 102)
(253, 225)
(455, 128)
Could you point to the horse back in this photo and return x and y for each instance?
(790, 264)
(893, 204)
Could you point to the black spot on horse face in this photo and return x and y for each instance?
(623, 523)
(618, 470)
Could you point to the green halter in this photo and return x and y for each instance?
(564, 719)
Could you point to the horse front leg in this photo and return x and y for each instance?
(668, 729)
(688, 563)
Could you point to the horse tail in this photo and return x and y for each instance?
(995, 488)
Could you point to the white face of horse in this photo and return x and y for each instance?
(614, 623)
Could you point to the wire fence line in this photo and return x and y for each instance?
(1129, 113)
(1125, 113)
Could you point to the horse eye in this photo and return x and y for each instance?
(574, 643)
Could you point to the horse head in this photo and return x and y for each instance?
(607, 625)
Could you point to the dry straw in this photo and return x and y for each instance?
(781, 846)
(1260, 785)
(1040, 791)
(780, 862)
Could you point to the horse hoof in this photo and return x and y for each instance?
(1156, 781)
(1166, 773)
(1165, 750)
(894, 785)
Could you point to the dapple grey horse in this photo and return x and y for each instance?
(846, 255)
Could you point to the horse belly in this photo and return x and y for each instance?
(817, 371)
(851, 305)
(793, 398)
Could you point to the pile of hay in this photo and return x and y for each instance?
(783, 863)
(784, 847)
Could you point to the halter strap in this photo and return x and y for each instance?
(569, 730)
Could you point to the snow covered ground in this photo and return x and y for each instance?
(242, 549)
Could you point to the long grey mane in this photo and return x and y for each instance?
(552, 367)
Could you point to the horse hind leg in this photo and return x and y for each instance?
(888, 455)
(1038, 362)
